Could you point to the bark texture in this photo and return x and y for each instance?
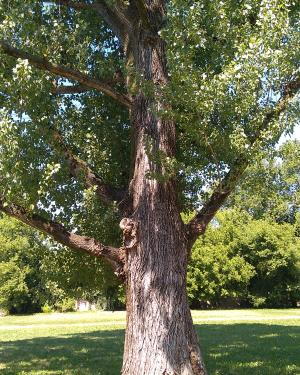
(160, 337)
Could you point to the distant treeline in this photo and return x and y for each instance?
(240, 261)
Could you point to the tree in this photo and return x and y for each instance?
(245, 260)
(35, 272)
(76, 276)
(218, 274)
(275, 257)
(21, 286)
(149, 105)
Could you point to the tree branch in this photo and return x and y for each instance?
(71, 4)
(79, 89)
(143, 12)
(59, 233)
(289, 90)
(78, 167)
(61, 90)
(198, 224)
(84, 79)
(113, 15)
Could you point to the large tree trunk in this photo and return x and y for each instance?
(160, 337)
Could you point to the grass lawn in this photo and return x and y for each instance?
(241, 342)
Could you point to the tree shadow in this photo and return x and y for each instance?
(233, 349)
(248, 348)
(98, 352)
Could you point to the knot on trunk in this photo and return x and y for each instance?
(130, 233)
(197, 363)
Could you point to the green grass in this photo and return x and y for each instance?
(239, 342)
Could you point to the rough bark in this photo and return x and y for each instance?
(160, 337)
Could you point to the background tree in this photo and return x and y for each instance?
(218, 275)
(76, 276)
(257, 252)
(36, 274)
(245, 261)
(145, 106)
(21, 286)
(275, 257)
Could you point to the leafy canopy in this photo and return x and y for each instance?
(21, 288)
(234, 74)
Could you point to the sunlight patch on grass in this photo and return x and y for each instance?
(252, 364)
(243, 346)
(269, 335)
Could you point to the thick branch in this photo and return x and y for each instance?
(59, 233)
(113, 15)
(78, 167)
(144, 13)
(84, 79)
(198, 224)
(79, 89)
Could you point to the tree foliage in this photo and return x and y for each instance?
(37, 274)
(234, 77)
(232, 91)
(21, 287)
(249, 256)
(136, 111)
(271, 186)
(274, 253)
(242, 261)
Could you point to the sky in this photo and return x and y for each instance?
(295, 135)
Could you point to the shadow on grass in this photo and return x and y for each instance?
(233, 349)
(244, 349)
(98, 352)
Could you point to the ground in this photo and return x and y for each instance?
(239, 342)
